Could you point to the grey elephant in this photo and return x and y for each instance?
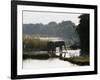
(51, 46)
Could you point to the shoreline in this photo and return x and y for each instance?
(80, 60)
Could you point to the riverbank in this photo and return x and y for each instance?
(38, 56)
(43, 55)
(79, 60)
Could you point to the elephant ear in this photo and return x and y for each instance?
(50, 45)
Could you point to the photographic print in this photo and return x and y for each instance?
(51, 39)
(54, 39)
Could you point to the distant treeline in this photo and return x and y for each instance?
(63, 29)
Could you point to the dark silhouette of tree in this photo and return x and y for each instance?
(83, 31)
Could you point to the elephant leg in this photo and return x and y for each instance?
(60, 55)
(49, 52)
(64, 55)
(60, 51)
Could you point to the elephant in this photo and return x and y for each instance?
(51, 46)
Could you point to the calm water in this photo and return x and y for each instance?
(50, 63)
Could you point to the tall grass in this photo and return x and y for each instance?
(34, 42)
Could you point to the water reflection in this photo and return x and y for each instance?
(51, 62)
(40, 64)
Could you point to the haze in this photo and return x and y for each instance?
(34, 17)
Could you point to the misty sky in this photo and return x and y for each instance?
(46, 17)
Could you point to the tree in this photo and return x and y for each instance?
(83, 31)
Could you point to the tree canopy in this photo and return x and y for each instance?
(83, 31)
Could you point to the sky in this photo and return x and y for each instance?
(34, 17)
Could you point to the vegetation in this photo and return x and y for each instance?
(34, 43)
(79, 60)
(63, 29)
(37, 56)
(83, 31)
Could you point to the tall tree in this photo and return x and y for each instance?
(83, 31)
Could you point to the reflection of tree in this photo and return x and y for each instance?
(83, 31)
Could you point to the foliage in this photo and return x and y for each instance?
(63, 29)
(83, 31)
(79, 60)
(34, 42)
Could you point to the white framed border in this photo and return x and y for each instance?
(21, 71)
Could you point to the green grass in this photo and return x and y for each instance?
(80, 60)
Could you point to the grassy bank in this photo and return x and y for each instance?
(38, 56)
(80, 60)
